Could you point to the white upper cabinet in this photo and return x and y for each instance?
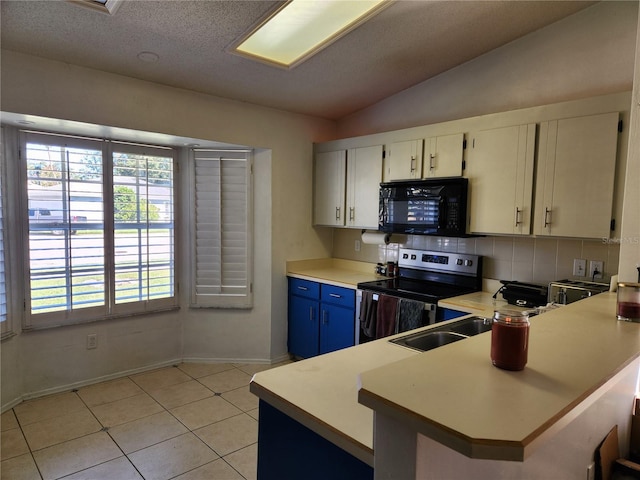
(443, 156)
(329, 192)
(364, 174)
(500, 171)
(575, 176)
(403, 161)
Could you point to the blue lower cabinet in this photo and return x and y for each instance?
(321, 318)
(336, 328)
(304, 333)
(287, 450)
(443, 314)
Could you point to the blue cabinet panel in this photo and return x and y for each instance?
(336, 328)
(303, 326)
(443, 314)
(338, 296)
(304, 288)
(287, 450)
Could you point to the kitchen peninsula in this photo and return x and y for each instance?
(448, 411)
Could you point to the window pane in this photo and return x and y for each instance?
(66, 229)
(143, 227)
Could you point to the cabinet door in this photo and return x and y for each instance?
(443, 156)
(500, 171)
(303, 326)
(337, 328)
(403, 161)
(329, 191)
(575, 180)
(364, 174)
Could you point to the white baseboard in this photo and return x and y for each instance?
(124, 373)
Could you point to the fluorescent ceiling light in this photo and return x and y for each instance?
(302, 28)
(105, 6)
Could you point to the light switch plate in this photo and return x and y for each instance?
(579, 267)
(596, 265)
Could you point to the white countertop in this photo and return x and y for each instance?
(454, 395)
(322, 393)
(333, 271)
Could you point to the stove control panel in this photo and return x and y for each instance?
(459, 263)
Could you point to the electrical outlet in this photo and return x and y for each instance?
(596, 266)
(92, 341)
(357, 246)
(579, 267)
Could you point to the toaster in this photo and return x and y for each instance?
(569, 291)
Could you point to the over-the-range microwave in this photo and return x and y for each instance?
(424, 207)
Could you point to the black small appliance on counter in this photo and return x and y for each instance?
(522, 294)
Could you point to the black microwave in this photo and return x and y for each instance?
(435, 206)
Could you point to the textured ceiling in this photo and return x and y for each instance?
(407, 43)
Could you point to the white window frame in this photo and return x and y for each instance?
(110, 309)
(6, 314)
(219, 296)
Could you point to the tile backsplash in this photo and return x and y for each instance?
(529, 259)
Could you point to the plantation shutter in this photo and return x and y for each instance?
(221, 219)
(4, 324)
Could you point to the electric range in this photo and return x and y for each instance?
(428, 276)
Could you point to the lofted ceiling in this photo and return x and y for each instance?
(407, 43)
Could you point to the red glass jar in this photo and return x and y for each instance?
(510, 339)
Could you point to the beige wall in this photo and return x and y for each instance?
(630, 236)
(39, 362)
(588, 54)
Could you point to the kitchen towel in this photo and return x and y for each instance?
(368, 310)
(409, 314)
(386, 316)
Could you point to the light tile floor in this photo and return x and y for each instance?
(188, 422)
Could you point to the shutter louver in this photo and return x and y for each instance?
(222, 223)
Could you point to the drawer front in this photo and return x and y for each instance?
(304, 288)
(344, 297)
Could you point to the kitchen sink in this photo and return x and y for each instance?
(471, 326)
(445, 334)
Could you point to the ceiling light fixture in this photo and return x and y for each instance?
(301, 28)
(110, 7)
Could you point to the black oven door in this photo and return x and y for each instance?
(369, 315)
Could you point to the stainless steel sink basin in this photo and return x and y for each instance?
(424, 341)
(445, 334)
(471, 326)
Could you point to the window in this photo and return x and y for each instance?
(221, 221)
(100, 229)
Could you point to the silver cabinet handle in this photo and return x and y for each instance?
(337, 213)
(352, 213)
(300, 287)
(413, 161)
(335, 295)
(547, 215)
(518, 212)
(311, 314)
(324, 317)
(431, 158)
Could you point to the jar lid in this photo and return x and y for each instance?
(511, 316)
